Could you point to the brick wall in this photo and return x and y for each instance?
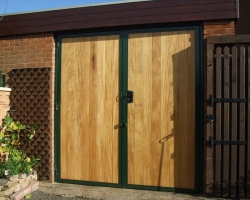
(4, 102)
(219, 27)
(31, 51)
(27, 52)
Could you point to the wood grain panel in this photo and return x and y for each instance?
(217, 156)
(190, 109)
(89, 109)
(226, 123)
(209, 126)
(161, 121)
(242, 136)
(234, 129)
(231, 169)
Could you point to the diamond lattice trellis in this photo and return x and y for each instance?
(30, 98)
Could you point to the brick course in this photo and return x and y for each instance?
(216, 27)
(27, 52)
(219, 27)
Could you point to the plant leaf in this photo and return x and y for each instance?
(13, 126)
(8, 120)
(1, 135)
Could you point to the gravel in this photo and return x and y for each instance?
(39, 195)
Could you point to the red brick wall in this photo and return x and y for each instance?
(27, 52)
(31, 51)
(220, 27)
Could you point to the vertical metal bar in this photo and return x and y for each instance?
(234, 130)
(226, 124)
(241, 175)
(124, 110)
(210, 111)
(2, 79)
(217, 155)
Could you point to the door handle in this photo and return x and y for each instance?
(123, 125)
(129, 96)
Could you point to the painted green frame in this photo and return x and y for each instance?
(2, 79)
(123, 108)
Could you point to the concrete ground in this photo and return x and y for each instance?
(64, 191)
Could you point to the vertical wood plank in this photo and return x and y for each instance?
(131, 108)
(167, 110)
(93, 96)
(139, 128)
(156, 109)
(190, 134)
(234, 129)
(100, 112)
(115, 109)
(209, 132)
(77, 96)
(226, 124)
(218, 122)
(85, 87)
(147, 89)
(180, 76)
(242, 123)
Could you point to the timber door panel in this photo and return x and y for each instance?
(161, 120)
(89, 109)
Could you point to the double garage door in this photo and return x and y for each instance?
(128, 109)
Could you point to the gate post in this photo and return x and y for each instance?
(209, 111)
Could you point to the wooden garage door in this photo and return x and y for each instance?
(161, 120)
(151, 142)
(89, 109)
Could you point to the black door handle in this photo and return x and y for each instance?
(129, 96)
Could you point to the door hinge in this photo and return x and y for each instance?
(56, 170)
(210, 118)
(213, 100)
(56, 106)
(224, 142)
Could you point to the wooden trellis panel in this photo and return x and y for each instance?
(30, 98)
(228, 77)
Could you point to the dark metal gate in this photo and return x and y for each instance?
(228, 116)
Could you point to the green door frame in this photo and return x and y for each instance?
(123, 109)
